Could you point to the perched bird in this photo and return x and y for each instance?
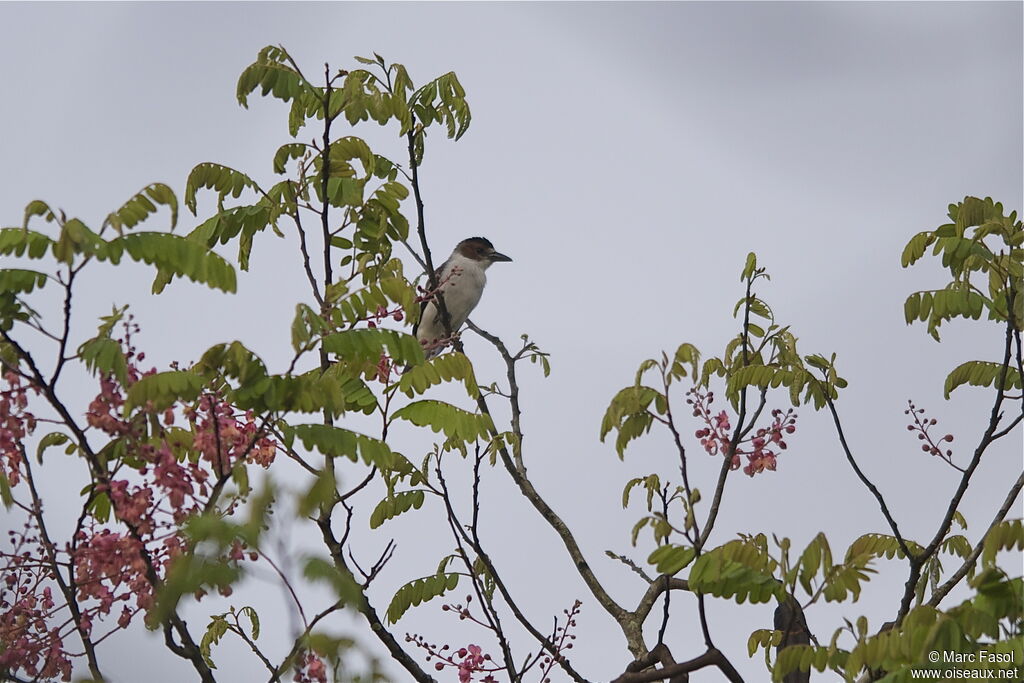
(461, 281)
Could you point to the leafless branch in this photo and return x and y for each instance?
(971, 559)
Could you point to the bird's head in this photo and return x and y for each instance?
(480, 249)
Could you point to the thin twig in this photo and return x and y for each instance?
(860, 475)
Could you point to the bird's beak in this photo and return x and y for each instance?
(496, 256)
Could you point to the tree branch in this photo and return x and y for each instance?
(712, 657)
(54, 567)
(939, 593)
(364, 607)
(987, 438)
(867, 482)
(514, 465)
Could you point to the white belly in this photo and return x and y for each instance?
(462, 292)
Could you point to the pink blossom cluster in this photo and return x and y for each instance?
(473, 660)
(15, 424)
(385, 368)
(224, 438)
(109, 568)
(30, 642)
(761, 450)
(467, 661)
(156, 483)
(311, 669)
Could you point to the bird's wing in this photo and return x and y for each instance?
(423, 305)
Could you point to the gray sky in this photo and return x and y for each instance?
(627, 156)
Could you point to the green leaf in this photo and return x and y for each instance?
(243, 222)
(419, 591)
(254, 621)
(762, 639)
(100, 507)
(686, 355)
(846, 578)
(306, 325)
(187, 574)
(226, 181)
(21, 242)
(456, 423)
(272, 73)
(359, 305)
(629, 413)
(367, 346)
(977, 373)
(38, 207)
(749, 267)
(916, 247)
(761, 376)
(322, 491)
(652, 483)
(142, 205)
(235, 361)
(737, 570)
(394, 505)
(285, 153)
(1007, 535)
(345, 587)
(349, 148)
(5, 490)
(441, 101)
(880, 545)
(164, 389)
(104, 356)
(958, 545)
(176, 256)
(337, 442)
(670, 559)
(51, 439)
(215, 630)
(20, 280)
(77, 238)
(443, 368)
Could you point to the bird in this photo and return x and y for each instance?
(461, 281)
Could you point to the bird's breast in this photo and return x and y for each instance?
(462, 293)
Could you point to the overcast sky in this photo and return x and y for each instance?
(627, 156)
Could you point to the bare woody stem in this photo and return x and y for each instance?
(67, 589)
(421, 231)
(971, 559)
(474, 541)
(631, 625)
(712, 657)
(723, 473)
(460, 536)
(863, 477)
(990, 435)
(364, 607)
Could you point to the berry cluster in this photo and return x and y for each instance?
(471, 659)
(921, 425)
